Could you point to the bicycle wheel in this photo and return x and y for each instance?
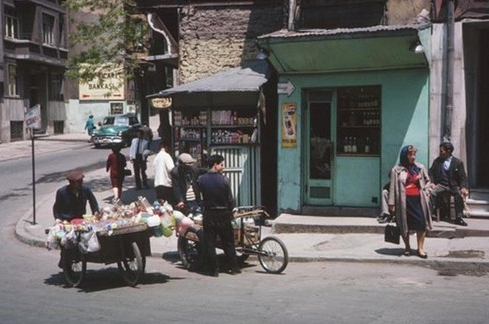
(74, 267)
(132, 268)
(191, 248)
(273, 255)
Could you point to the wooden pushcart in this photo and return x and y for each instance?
(126, 246)
(271, 251)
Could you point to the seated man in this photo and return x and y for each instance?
(385, 216)
(448, 175)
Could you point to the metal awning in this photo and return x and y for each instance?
(238, 86)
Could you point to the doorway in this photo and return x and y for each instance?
(318, 149)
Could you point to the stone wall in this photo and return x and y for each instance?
(216, 38)
(402, 12)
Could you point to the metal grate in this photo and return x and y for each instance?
(59, 126)
(16, 130)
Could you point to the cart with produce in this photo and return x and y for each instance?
(121, 235)
(247, 224)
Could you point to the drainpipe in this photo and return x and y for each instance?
(292, 5)
(447, 132)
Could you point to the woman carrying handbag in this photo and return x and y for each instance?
(408, 199)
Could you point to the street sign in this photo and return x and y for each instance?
(32, 117)
(285, 88)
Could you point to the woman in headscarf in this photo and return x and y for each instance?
(408, 199)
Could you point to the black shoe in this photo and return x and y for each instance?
(384, 218)
(235, 271)
(460, 221)
(422, 256)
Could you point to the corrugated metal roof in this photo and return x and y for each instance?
(247, 78)
(342, 32)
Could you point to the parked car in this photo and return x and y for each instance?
(116, 129)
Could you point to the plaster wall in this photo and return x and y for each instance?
(438, 93)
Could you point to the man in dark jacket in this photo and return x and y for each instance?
(71, 200)
(218, 205)
(448, 176)
(184, 183)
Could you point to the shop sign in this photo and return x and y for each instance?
(32, 117)
(285, 88)
(289, 125)
(110, 88)
(161, 103)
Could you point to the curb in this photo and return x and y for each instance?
(20, 228)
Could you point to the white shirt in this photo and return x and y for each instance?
(143, 145)
(163, 164)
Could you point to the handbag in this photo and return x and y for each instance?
(392, 234)
(127, 172)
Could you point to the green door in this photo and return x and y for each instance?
(319, 149)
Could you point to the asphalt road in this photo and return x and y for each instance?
(32, 288)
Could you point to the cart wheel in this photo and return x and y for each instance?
(273, 255)
(191, 248)
(132, 268)
(74, 267)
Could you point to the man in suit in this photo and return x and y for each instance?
(138, 159)
(448, 176)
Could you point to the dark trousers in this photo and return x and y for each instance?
(165, 193)
(139, 165)
(218, 223)
(436, 196)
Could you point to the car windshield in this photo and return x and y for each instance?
(120, 120)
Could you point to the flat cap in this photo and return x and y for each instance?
(186, 158)
(74, 175)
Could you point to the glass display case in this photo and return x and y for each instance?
(197, 131)
(359, 120)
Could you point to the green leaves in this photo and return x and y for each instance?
(102, 32)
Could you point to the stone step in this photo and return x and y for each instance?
(288, 223)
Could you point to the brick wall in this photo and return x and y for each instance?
(215, 38)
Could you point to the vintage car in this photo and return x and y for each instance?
(116, 129)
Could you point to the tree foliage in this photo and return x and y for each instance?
(104, 32)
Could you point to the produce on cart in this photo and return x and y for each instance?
(120, 234)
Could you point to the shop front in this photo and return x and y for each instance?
(348, 101)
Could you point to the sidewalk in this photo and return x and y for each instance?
(308, 238)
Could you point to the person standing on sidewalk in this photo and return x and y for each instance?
(116, 163)
(163, 164)
(449, 177)
(90, 126)
(138, 160)
(71, 200)
(408, 199)
(218, 205)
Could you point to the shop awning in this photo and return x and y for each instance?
(238, 86)
(347, 49)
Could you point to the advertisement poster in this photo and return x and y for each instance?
(289, 125)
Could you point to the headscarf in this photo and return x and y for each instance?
(404, 161)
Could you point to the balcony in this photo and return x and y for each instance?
(22, 49)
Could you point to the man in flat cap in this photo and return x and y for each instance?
(71, 200)
(184, 183)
